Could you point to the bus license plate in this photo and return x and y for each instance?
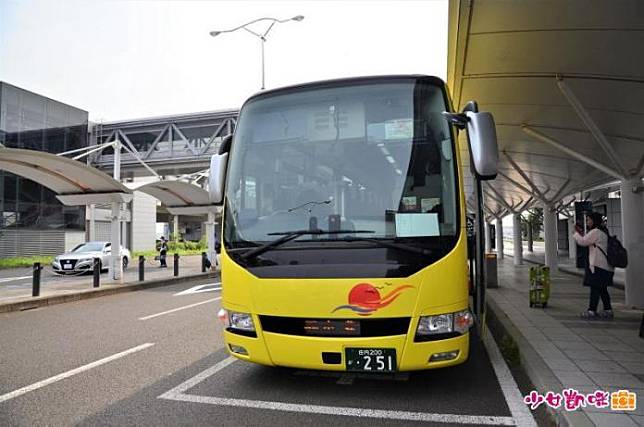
(370, 359)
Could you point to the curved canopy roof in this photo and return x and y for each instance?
(75, 183)
(565, 83)
(180, 197)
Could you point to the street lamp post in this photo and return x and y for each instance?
(261, 36)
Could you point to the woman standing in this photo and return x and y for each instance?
(601, 273)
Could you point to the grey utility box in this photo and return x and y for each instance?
(491, 277)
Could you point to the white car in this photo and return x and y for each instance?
(81, 258)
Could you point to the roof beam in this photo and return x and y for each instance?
(590, 124)
(555, 198)
(525, 177)
(572, 153)
(499, 198)
(517, 184)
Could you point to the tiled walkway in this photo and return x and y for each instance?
(586, 355)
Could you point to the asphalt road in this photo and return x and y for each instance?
(134, 359)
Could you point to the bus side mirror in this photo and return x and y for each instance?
(484, 150)
(218, 164)
(481, 135)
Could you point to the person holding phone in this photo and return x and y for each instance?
(600, 274)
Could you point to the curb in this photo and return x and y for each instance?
(532, 365)
(100, 292)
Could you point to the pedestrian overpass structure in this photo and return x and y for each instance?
(170, 145)
(565, 83)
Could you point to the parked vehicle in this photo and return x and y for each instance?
(81, 258)
(343, 236)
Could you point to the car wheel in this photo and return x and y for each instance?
(125, 262)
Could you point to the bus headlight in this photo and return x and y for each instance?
(241, 321)
(460, 322)
(431, 325)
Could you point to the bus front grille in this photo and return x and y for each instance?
(346, 328)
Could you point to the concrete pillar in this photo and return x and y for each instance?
(488, 239)
(175, 227)
(572, 244)
(633, 240)
(116, 265)
(550, 236)
(517, 242)
(499, 238)
(92, 222)
(210, 238)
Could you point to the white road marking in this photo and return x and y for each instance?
(9, 279)
(73, 372)
(511, 392)
(152, 316)
(178, 394)
(201, 288)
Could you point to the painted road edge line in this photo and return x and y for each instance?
(73, 372)
(509, 387)
(178, 394)
(11, 279)
(152, 316)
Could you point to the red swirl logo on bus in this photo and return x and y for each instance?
(364, 299)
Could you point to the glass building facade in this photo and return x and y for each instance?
(33, 122)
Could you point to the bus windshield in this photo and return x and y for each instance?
(375, 156)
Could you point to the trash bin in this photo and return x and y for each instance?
(539, 286)
(491, 277)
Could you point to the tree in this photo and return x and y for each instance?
(531, 225)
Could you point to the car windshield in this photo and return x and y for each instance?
(374, 156)
(89, 247)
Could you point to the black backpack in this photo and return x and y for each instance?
(615, 254)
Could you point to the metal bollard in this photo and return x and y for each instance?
(97, 272)
(176, 265)
(36, 280)
(141, 268)
(203, 262)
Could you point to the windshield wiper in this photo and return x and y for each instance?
(287, 236)
(391, 245)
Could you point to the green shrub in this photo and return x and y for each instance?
(510, 351)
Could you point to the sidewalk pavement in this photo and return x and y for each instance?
(56, 289)
(565, 264)
(560, 350)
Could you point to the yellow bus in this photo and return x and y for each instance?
(343, 226)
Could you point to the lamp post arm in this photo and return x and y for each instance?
(252, 32)
(280, 21)
(269, 28)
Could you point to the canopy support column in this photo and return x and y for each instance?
(488, 239)
(572, 244)
(550, 236)
(116, 265)
(633, 239)
(499, 238)
(518, 244)
(210, 238)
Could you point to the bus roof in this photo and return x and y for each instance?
(342, 81)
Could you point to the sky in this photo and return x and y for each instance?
(134, 59)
